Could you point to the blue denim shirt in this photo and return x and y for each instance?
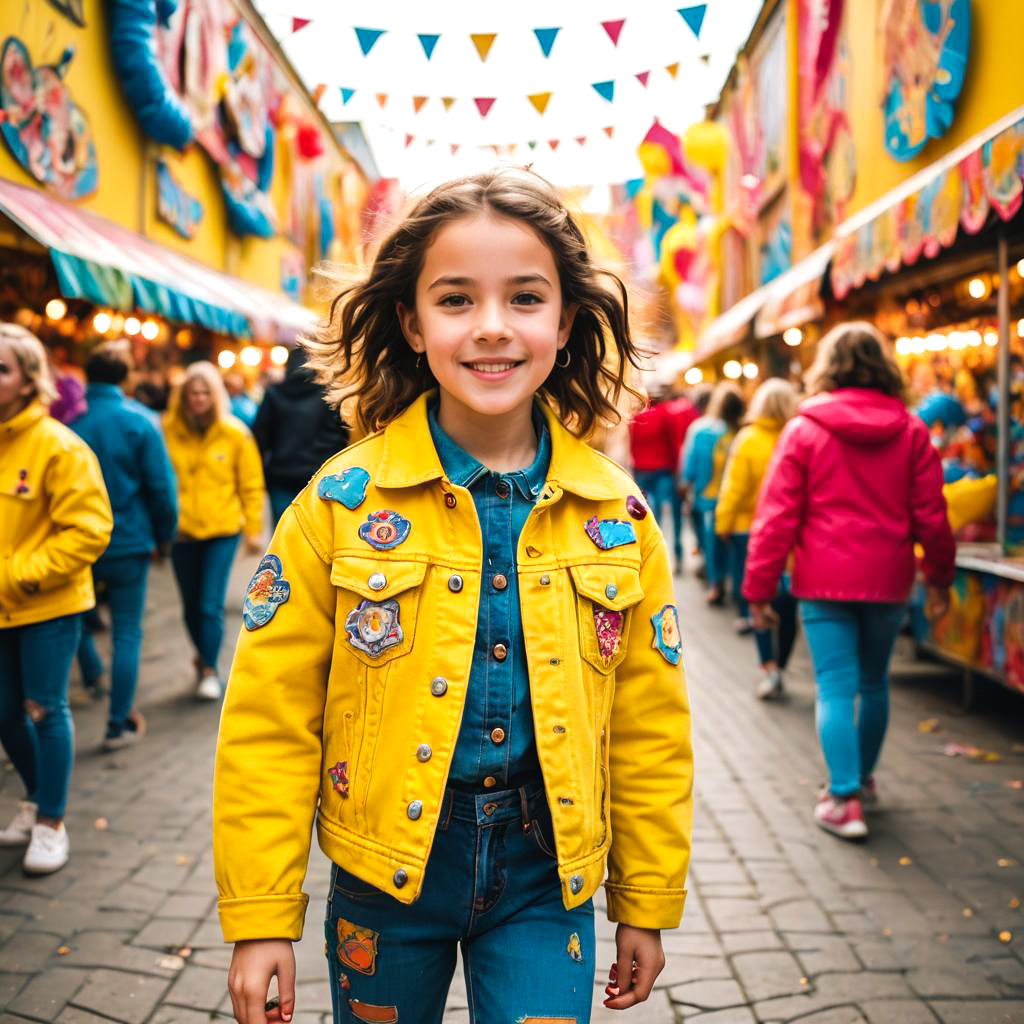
(496, 741)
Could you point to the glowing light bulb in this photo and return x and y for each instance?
(225, 359)
(973, 338)
(792, 336)
(101, 321)
(251, 355)
(977, 288)
(55, 309)
(694, 375)
(991, 338)
(750, 371)
(150, 330)
(904, 346)
(132, 326)
(733, 370)
(935, 342)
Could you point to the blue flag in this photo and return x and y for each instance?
(605, 90)
(546, 38)
(694, 17)
(428, 42)
(367, 37)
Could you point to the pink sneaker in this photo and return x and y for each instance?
(843, 818)
(869, 793)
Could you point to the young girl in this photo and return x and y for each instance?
(220, 495)
(461, 653)
(55, 521)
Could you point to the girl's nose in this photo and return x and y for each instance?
(491, 323)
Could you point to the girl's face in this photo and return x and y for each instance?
(15, 390)
(488, 317)
(198, 398)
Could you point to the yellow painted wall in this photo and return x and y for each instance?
(994, 85)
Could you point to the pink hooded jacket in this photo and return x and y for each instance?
(854, 482)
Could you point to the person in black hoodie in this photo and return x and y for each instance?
(296, 432)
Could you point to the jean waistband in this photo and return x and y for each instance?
(489, 808)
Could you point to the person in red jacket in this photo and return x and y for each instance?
(853, 484)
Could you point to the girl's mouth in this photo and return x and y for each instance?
(493, 369)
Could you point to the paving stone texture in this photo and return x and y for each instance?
(783, 923)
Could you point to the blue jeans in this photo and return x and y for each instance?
(36, 730)
(776, 644)
(716, 552)
(280, 499)
(202, 568)
(851, 643)
(659, 487)
(738, 544)
(124, 579)
(492, 885)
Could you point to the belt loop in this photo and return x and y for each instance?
(524, 808)
(446, 813)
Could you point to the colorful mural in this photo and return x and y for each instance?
(174, 206)
(46, 131)
(924, 49)
(74, 10)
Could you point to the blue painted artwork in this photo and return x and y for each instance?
(348, 487)
(266, 592)
(610, 533)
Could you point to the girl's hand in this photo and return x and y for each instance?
(253, 963)
(640, 961)
(763, 615)
(936, 603)
(253, 546)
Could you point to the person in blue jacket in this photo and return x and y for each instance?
(140, 481)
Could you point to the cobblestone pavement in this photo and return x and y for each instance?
(921, 924)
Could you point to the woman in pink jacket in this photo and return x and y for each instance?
(853, 484)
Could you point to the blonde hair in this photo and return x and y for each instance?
(209, 375)
(855, 355)
(32, 361)
(775, 399)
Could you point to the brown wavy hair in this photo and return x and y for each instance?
(855, 355)
(360, 351)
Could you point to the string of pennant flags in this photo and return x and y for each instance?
(499, 149)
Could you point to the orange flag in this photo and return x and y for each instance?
(672, 69)
(318, 93)
(540, 101)
(553, 143)
(447, 101)
(483, 41)
(609, 130)
(382, 99)
(417, 103)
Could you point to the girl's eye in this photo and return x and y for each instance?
(527, 299)
(455, 301)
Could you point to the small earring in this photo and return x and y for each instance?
(568, 359)
(419, 360)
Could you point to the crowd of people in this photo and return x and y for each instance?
(99, 486)
(812, 505)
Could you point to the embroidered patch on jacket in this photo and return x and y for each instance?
(385, 529)
(373, 1014)
(666, 634)
(574, 949)
(610, 533)
(357, 946)
(347, 487)
(265, 592)
(339, 777)
(635, 507)
(373, 627)
(609, 631)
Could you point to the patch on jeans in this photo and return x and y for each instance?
(575, 949)
(609, 631)
(357, 946)
(348, 488)
(385, 529)
(373, 1014)
(373, 626)
(339, 777)
(666, 634)
(265, 592)
(609, 533)
(344, 982)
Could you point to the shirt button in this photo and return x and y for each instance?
(611, 591)
(455, 583)
(502, 489)
(500, 652)
(423, 753)
(497, 735)
(575, 884)
(439, 687)
(449, 500)
(500, 581)
(545, 581)
(489, 782)
(489, 809)
(400, 878)
(414, 810)
(378, 581)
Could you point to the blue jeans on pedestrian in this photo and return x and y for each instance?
(716, 552)
(738, 544)
(851, 643)
(36, 730)
(659, 487)
(776, 644)
(492, 885)
(202, 568)
(124, 580)
(280, 499)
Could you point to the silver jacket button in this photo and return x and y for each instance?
(414, 810)
(439, 687)
(400, 878)
(378, 581)
(611, 591)
(576, 884)
(455, 583)
(423, 752)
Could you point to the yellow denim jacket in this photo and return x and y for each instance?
(55, 519)
(220, 478)
(748, 462)
(355, 660)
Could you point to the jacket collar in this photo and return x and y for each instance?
(32, 413)
(410, 458)
(99, 391)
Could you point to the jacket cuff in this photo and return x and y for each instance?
(645, 908)
(263, 917)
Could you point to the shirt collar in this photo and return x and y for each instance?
(99, 389)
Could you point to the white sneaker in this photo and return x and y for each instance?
(209, 688)
(769, 687)
(48, 851)
(19, 832)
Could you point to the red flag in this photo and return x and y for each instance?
(553, 143)
(581, 139)
(408, 140)
(454, 148)
(299, 23)
(613, 28)
(641, 77)
(484, 104)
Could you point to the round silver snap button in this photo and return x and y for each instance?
(377, 581)
(455, 583)
(423, 753)
(611, 591)
(439, 687)
(400, 878)
(414, 810)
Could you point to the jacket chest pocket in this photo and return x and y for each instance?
(606, 596)
(379, 602)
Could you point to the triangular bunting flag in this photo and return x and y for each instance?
(454, 148)
(606, 90)
(346, 95)
(428, 42)
(495, 150)
(417, 103)
(613, 28)
(581, 139)
(382, 99)
(408, 140)
(367, 37)
(483, 41)
(318, 93)
(540, 101)
(672, 69)
(484, 104)
(609, 130)
(546, 38)
(447, 101)
(532, 145)
(706, 58)
(694, 17)
(642, 76)
(299, 23)
(553, 143)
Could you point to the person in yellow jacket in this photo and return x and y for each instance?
(220, 496)
(461, 653)
(55, 521)
(773, 405)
